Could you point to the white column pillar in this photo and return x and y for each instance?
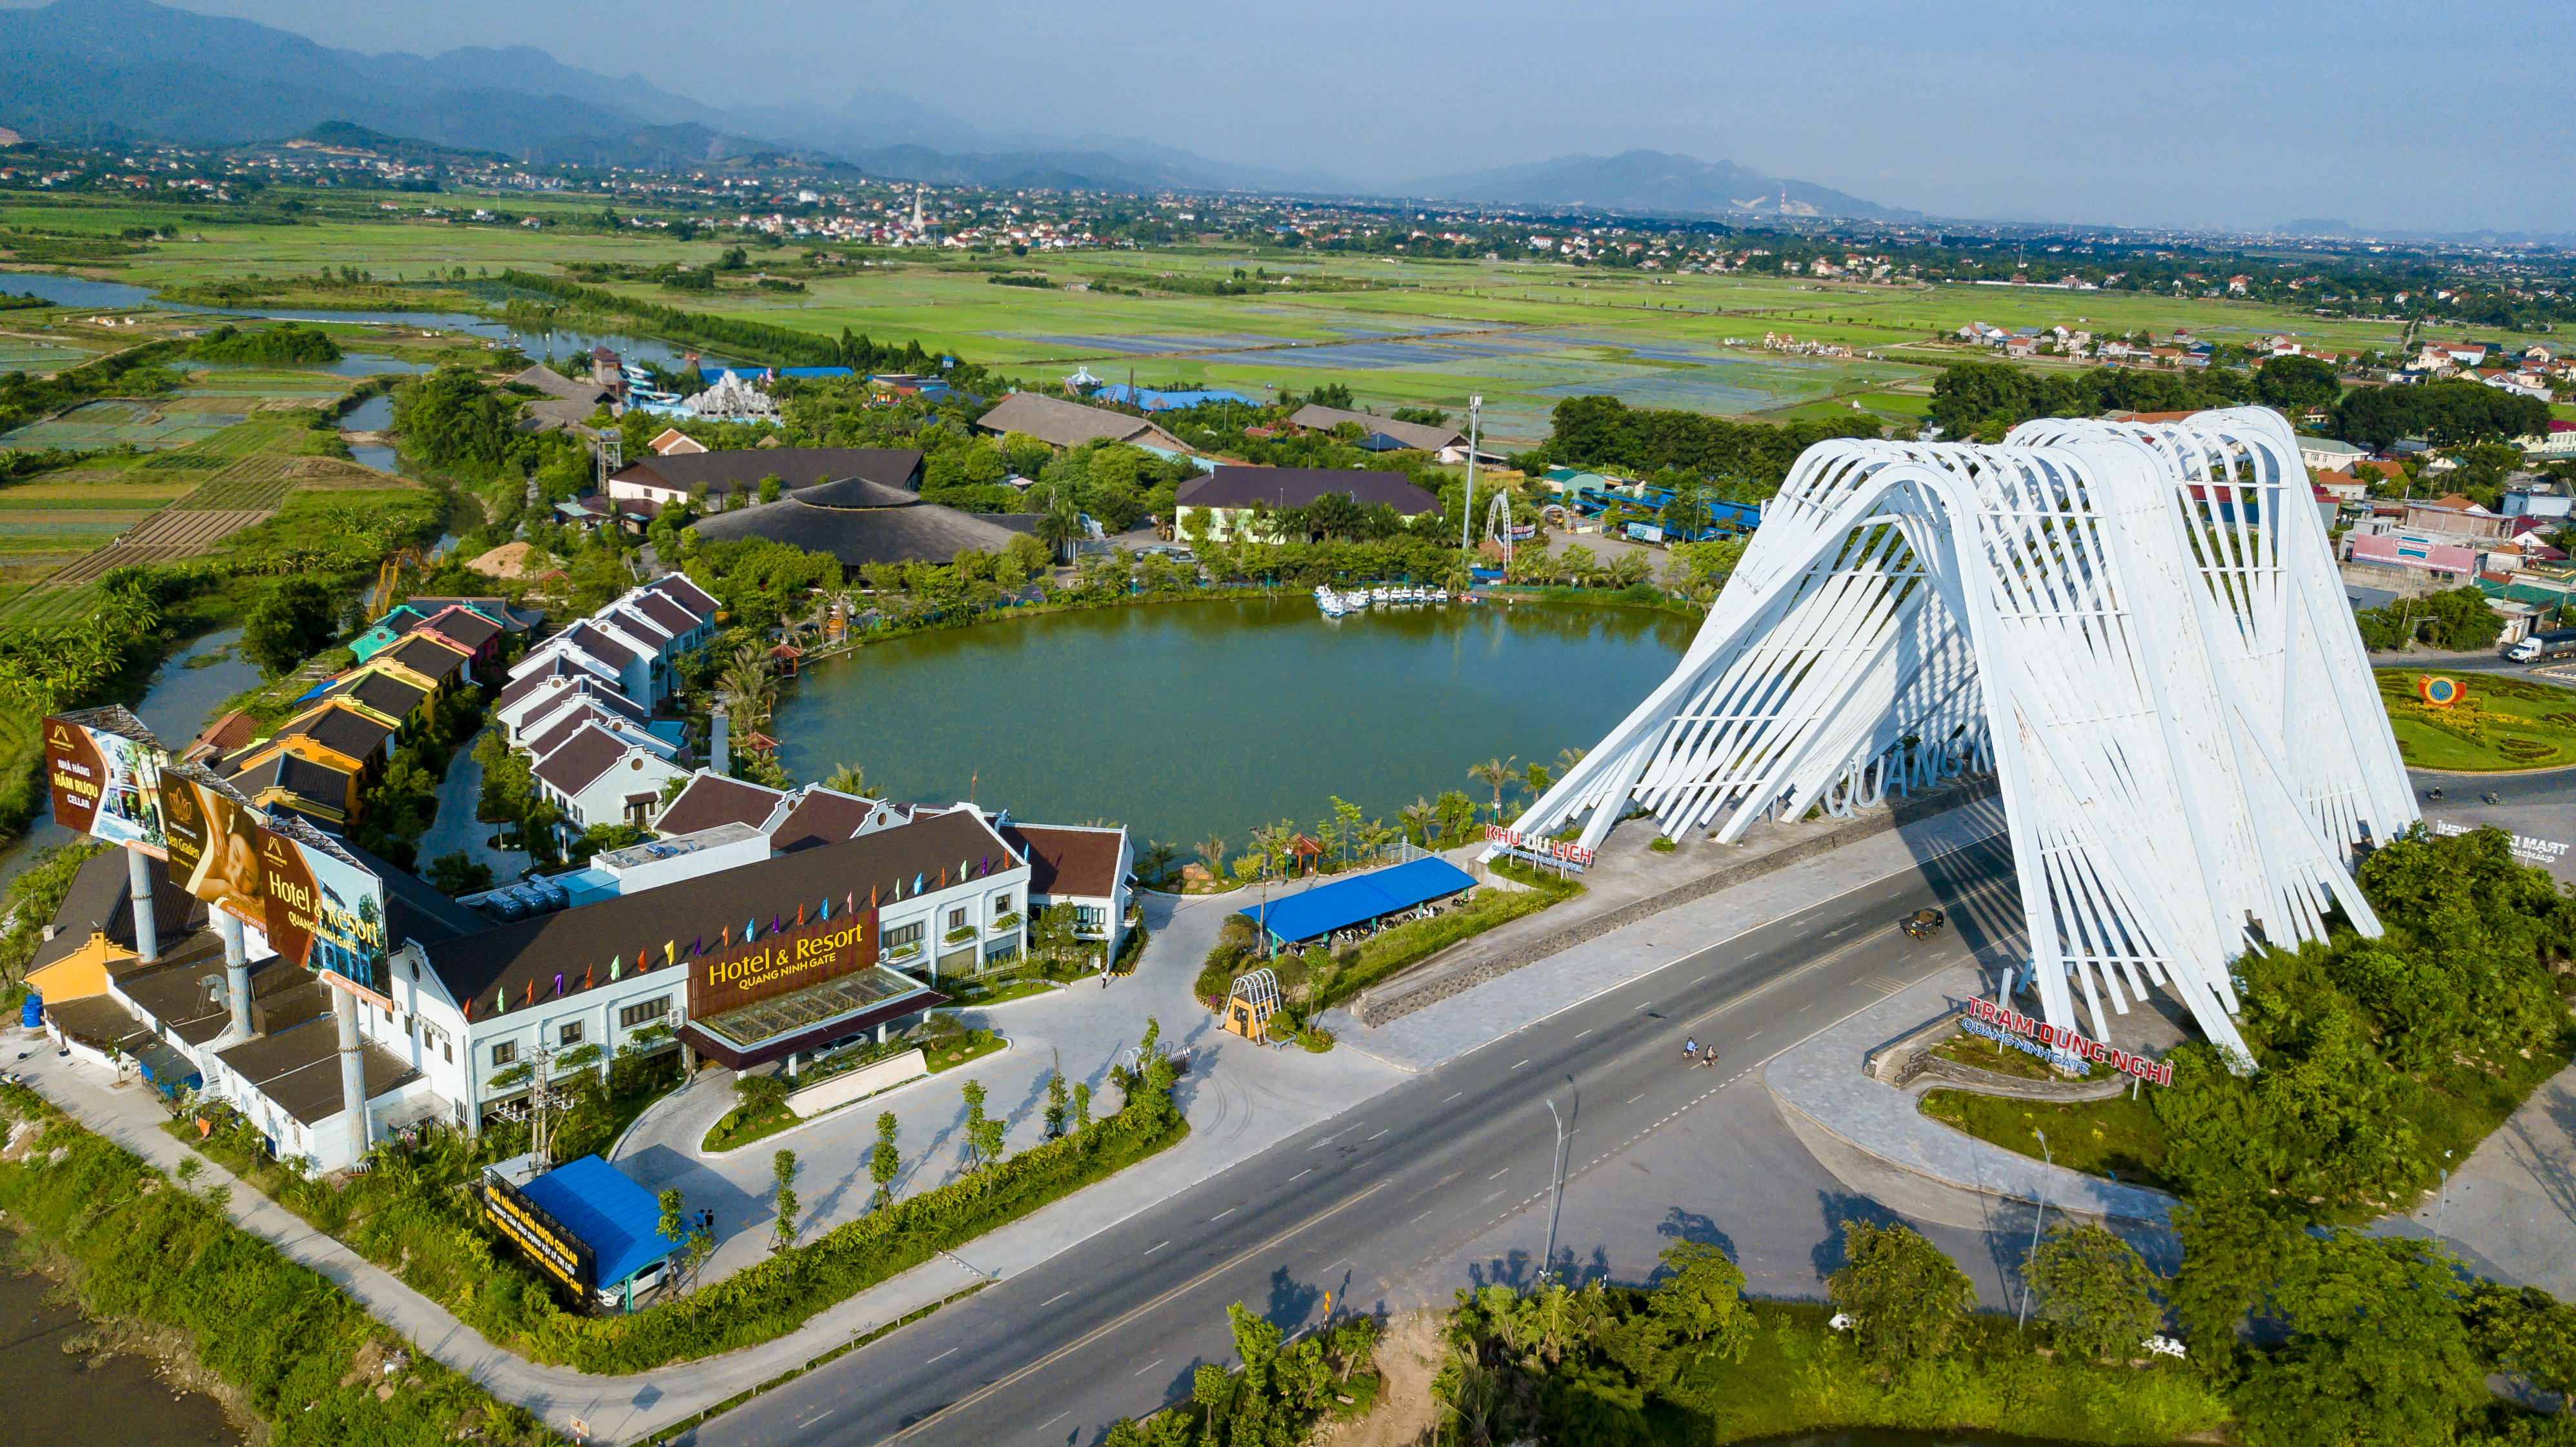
(353, 1074)
(236, 974)
(147, 931)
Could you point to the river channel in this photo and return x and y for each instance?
(1182, 720)
(74, 1400)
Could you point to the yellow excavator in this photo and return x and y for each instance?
(389, 577)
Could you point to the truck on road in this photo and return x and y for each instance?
(2557, 643)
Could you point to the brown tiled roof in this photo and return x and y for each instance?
(299, 1069)
(179, 994)
(226, 734)
(342, 730)
(1411, 434)
(554, 665)
(1054, 421)
(586, 938)
(425, 656)
(675, 620)
(1069, 861)
(821, 817)
(465, 626)
(382, 692)
(585, 756)
(700, 603)
(712, 799)
(99, 899)
(305, 778)
(584, 690)
(599, 643)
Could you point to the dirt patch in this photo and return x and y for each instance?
(1408, 1357)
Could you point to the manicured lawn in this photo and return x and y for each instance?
(745, 1124)
(2505, 723)
(2119, 1138)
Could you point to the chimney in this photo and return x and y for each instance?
(719, 756)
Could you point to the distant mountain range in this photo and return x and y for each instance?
(1654, 182)
(101, 70)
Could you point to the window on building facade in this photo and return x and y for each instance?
(1001, 904)
(650, 1010)
(1089, 916)
(901, 935)
(505, 1052)
(957, 919)
(569, 1034)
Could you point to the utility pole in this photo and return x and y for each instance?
(539, 1097)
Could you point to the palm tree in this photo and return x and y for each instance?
(1497, 773)
(851, 779)
(1566, 759)
(1212, 849)
(748, 686)
(1157, 860)
(1061, 524)
(1418, 818)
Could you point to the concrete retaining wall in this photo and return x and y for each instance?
(1433, 980)
(850, 1085)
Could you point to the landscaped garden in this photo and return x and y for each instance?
(764, 1110)
(2501, 722)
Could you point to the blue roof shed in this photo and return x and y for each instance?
(617, 1219)
(1346, 902)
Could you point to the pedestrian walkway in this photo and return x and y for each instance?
(1450, 1028)
(1830, 1102)
(2510, 1208)
(455, 828)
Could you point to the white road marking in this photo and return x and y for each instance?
(1221, 1215)
(1586, 1030)
(1498, 1175)
(1516, 1067)
(943, 1356)
(1374, 1137)
(1140, 1371)
(1640, 1095)
(1052, 1300)
(1453, 1095)
(1310, 1170)
(827, 1411)
(1157, 1248)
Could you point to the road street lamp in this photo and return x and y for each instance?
(2024, 1315)
(1556, 1190)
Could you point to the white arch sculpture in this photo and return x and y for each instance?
(2137, 627)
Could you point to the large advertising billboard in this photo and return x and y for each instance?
(325, 911)
(213, 840)
(103, 774)
(547, 1241)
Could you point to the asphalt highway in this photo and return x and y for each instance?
(1117, 1324)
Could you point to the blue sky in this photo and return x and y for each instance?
(2387, 115)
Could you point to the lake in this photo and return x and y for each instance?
(1184, 719)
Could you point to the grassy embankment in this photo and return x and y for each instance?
(1798, 1376)
(318, 1369)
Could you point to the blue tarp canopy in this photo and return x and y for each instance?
(618, 1219)
(1346, 902)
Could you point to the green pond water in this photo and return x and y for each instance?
(1184, 719)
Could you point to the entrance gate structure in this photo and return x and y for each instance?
(2137, 627)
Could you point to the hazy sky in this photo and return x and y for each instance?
(2448, 117)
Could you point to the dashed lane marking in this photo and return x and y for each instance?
(1151, 1250)
(943, 1356)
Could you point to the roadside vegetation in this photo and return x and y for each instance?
(134, 1243)
(2286, 1338)
(2383, 1061)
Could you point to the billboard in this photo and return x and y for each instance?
(103, 774)
(548, 1242)
(324, 911)
(213, 843)
(789, 960)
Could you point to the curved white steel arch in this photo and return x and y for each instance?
(2137, 627)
